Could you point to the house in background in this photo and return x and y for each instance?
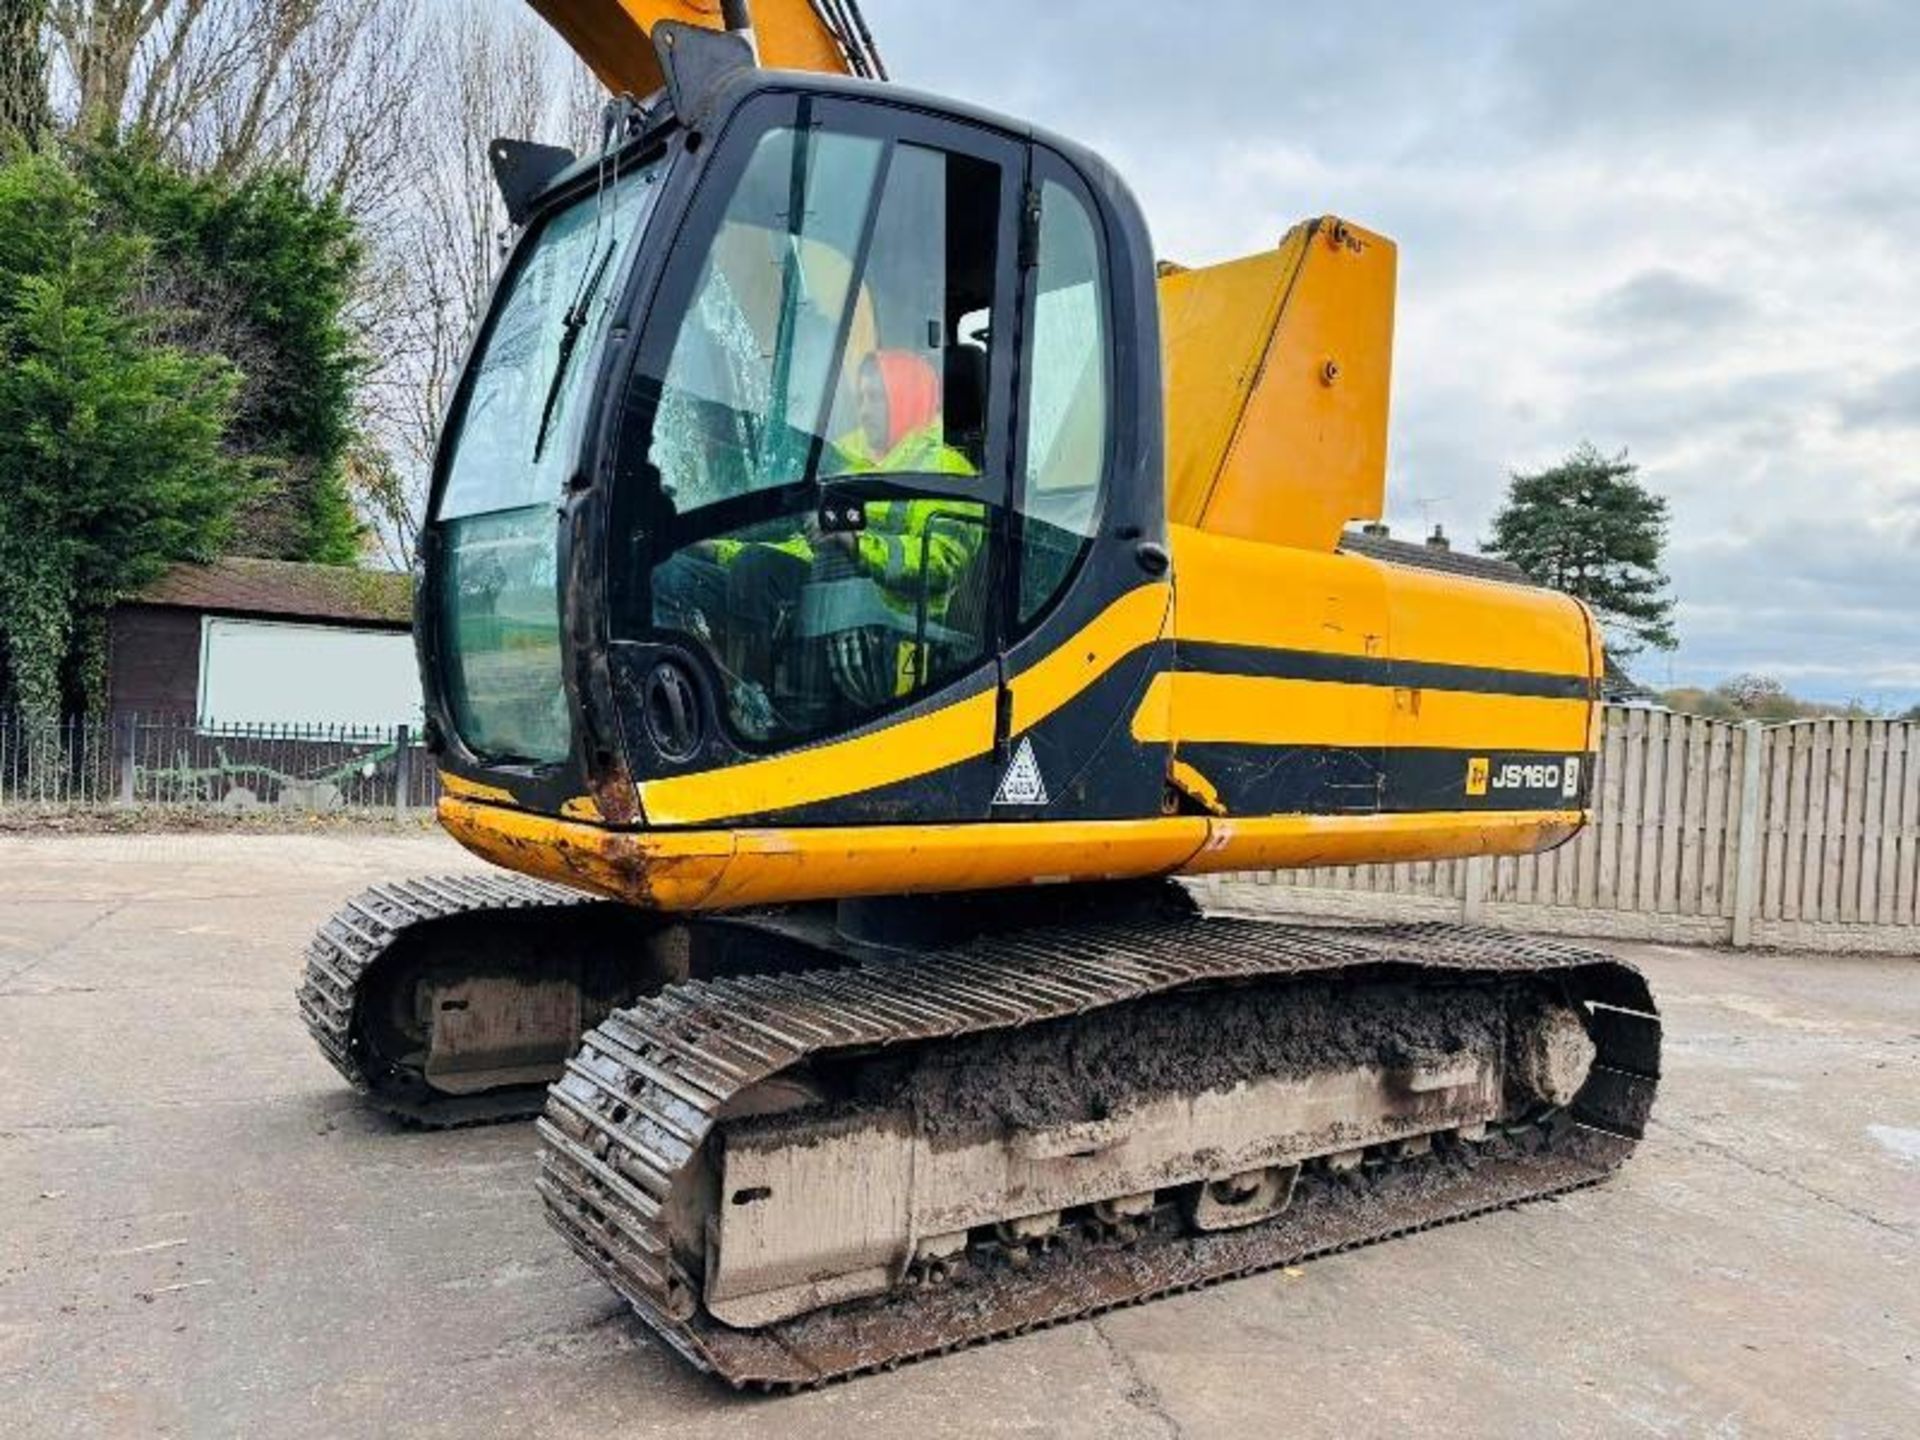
(1436, 552)
(267, 642)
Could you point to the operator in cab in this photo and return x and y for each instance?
(743, 594)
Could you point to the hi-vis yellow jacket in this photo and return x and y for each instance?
(907, 545)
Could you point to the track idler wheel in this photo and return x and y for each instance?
(1243, 1199)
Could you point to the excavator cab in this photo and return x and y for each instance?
(789, 420)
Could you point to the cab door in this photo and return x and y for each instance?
(1088, 590)
(806, 552)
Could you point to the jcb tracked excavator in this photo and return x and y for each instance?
(857, 580)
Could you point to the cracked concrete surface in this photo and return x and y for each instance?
(1139, 1391)
(201, 1232)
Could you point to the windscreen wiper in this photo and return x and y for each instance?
(570, 328)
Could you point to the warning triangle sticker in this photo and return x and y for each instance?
(1022, 784)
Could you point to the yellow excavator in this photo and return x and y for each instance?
(858, 579)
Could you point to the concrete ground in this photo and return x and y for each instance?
(202, 1233)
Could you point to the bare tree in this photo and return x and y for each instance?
(435, 265)
(23, 68)
(583, 105)
(226, 86)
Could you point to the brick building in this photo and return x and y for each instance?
(243, 641)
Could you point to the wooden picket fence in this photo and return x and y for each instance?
(1804, 835)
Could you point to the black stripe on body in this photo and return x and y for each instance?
(1257, 662)
(1420, 779)
(1360, 780)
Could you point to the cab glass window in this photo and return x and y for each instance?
(820, 433)
(511, 444)
(741, 400)
(1067, 400)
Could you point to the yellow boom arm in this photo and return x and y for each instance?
(613, 36)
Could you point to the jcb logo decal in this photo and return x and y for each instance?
(1478, 770)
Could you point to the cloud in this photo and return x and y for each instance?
(1890, 402)
(1824, 607)
(1680, 227)
(1663, 299)
(1709, 71)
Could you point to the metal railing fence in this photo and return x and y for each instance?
(152, 760)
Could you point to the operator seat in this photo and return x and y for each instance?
(963, 401)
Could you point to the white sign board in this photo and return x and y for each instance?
(265, 672)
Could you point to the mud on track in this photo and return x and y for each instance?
(1095, 1066)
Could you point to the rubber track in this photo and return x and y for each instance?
(642, 1098)
(356, 937)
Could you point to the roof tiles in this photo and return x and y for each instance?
(337, 594)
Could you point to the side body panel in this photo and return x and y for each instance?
(1349, 686)
(1318, 709)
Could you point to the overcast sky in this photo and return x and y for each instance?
(1686, 229)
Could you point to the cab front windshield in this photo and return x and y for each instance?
(819, 432)
(512, 444)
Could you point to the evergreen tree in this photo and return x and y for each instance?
(1588, 527)
(110, 439)
(261, 273)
